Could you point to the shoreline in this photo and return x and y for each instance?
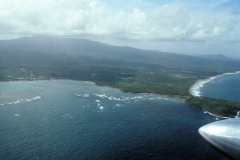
(50, 79)
(195, 90)
(214, 115)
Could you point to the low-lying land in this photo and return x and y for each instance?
(125, 68)
(218, 107)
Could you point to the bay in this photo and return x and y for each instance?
(65, 119)
(225, 86)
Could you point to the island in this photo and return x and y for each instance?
(128, 69)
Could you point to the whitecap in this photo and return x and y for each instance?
(137, 97)
(82, 95)
(38, 97)
(17, 115)
(86, 95)
(116, 99)
(20, 100)
(151, 98)
(126, 98)
(16, 102)
(100, 106)
(101, 95)
(77, 94)
(97, 101)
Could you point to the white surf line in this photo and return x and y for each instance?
(195, 88)
(214, 114)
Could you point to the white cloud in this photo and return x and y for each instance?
(169, 22)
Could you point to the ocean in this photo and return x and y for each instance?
(65, 119)
(225, 86)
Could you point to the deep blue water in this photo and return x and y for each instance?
(64, 119)
(226, 86)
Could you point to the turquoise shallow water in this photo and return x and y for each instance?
(64, 119)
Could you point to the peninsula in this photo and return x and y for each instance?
(217, 107)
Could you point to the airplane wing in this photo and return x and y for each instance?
(224, 136)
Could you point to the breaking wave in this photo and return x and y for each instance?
(19, 100)
(195, 90)
(82, 95)
(136, 98)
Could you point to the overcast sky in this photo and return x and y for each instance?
(192, 27)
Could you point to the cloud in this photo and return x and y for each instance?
(164, 22)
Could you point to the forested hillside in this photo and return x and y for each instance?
(129, 69)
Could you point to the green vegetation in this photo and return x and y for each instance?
(138, 74)
(217, 107)
(125, 68)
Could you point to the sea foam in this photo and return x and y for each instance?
(19, 100)
(195, 88)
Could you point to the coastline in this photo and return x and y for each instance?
(109, 86)
(214, 115)
(195, 89)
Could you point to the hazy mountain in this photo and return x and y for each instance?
(34, 49)
(215, 56)
(52, 44)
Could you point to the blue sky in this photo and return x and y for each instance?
(195, 27)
